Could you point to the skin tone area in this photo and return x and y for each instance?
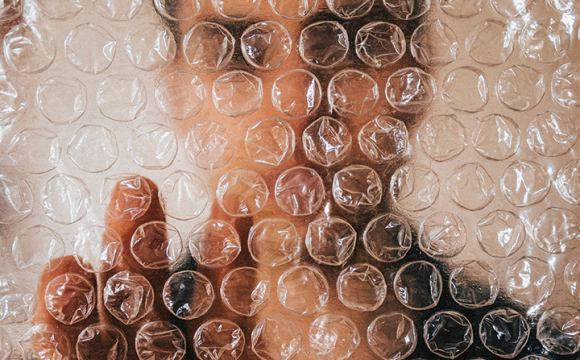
(240, 160)
(239, 125)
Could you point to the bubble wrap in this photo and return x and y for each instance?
(289, 179)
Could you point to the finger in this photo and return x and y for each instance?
(65, 308)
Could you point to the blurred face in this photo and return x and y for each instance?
(331, 203)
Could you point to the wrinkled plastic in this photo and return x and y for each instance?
(246, 291)
(444, 181)
(219, 339)
(504, 332)
(448, 334)
(333, 337)
(128, 297)
(70, 298)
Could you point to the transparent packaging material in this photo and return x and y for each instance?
(289, 179)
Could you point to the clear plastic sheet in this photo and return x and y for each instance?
(289, 179)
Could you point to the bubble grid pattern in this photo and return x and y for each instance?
(479, 164)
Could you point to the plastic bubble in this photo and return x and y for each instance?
(557, 230)
(461, 8)
(333, 337)
(246, 291)
(121, 97)
(471, 187)
(29, 48)
(530, 280)
(361, 287)
(160, 340)
(414, 188)
(512, 8)
(10, 10)
(13, 101)
(183, 195)
(572, 278)
(219, 339)
(69, 298)
(153, 146)
(214, 244)
(534, 357)
(126, 196)
(323, 44)
(65, 199)
(380, 44)
(37, 248)
(90, 48)
(504, 332)
(551, 134)
(156, 245)
(434, 43)
(303, 290)
(18, 300)
(558, 330)
(93, 148)
(448, 334)
(407, 9)
(563, 6)
(35, 151)
(118, 10)
(566, 85)
(210, 145)
(387, 237)
(208, 46)
(410, 90)
(490, 42)
(276, 338)
(242, 192)
(350, 9)
(188, 294)
(442, 235)
(97, 249)
(326, 141)
(62, 100)
(101, 341)
(270, 141)
(418, 285)
(525, 183)
(352, 93)
(520, 87)
(357, 188)
(465, 89)
(237, 93)
(274, 242)
(266, 45)
(235, 10)
(442, 137)
(5, 345)
(128, 297)
(299, 191)
(500, 233)
(392, 336)
(59, 9)
(545, 40)
(474, 285)
(16, 200)
(296, 93)
(384, 139)
(178, 10)
(150, 46)
(330, 241)
(44, 342)
(180, 95)
(567, 182)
